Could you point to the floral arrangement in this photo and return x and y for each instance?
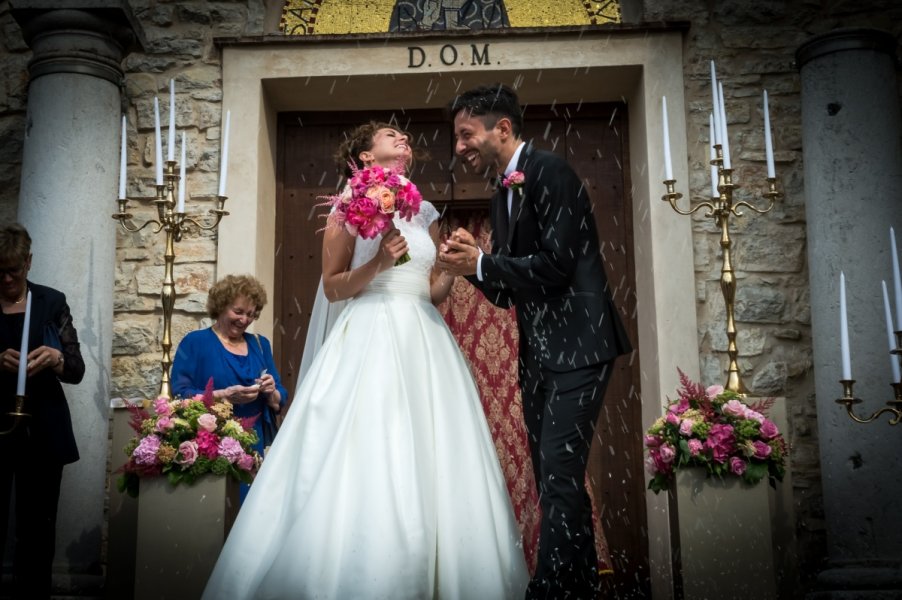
(184, 439)
(712, 428)
(371, 199)
(514, 181)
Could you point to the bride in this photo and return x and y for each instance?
(383, 481)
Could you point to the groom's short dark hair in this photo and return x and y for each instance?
(490, 103)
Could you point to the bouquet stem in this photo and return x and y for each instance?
(403, 259)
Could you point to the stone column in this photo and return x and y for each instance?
(68, 189)
(853, 181)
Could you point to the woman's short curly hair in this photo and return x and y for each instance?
(359, 139)
(230, 287)
(15, 244)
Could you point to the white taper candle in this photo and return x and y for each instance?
(768, 141)
(725, 136)
(715, 107)
(668, 165)
(224, 163)
(123, 159)
(180, 206)
(714, 192)
(158, 155)
(170, 155)
(844, 330)
(893, 358)
(23, 349)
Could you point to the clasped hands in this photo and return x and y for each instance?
(43, 357)
(459, 254)
(243, 394)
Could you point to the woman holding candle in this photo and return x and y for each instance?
(36, 450)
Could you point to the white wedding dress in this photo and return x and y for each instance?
(383, 481)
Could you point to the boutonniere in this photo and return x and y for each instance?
(514, 181)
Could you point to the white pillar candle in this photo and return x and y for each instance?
(180, 207)
(23, 349)
(170, 155)
(224, 162)
(122, 163)
(715, 107)
(897, 280)
(768, 142)
(714, 192)
(844, 330)
(159, 140)
(893, 359)
(724, 135)
(668, 165)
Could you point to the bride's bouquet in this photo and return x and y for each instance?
(371, 199)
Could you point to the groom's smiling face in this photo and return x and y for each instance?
(478, 145)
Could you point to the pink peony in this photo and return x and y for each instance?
(146, 452)
(737, 465)
(207, 422)
(672, 419)
(208, 444)
(187, 453)
(769, 430)
(230, 449)
(695, 447)
(667, 453)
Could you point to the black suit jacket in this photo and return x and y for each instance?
(550, 268)
(50, 424)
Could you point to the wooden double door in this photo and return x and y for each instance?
(593, 138)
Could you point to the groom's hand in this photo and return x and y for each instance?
(458, 258)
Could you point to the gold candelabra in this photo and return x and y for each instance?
(721, 208)
(17, 414)
(173, 223)
(894, 407)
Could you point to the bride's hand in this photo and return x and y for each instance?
(392, 247)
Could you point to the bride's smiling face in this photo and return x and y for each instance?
(390, 147)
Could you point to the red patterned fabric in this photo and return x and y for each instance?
(488, 338)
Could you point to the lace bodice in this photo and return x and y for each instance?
(416, 232)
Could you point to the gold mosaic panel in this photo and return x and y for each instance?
(337, 17)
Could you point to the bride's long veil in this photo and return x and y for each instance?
(322, 318)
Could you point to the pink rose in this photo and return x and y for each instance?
(762, 450)
(207, 422)
(164, 424)
(769, 429)
(713, 391)
(686, 427)
(187, 453)
(667, 453)
(672, 419)
(737, 465)
(384, 198)
(695, 447)
(161, 407)
(230, 449)
(146, 452)
(735, 408)
(514, 180)
(652, 441)
(754, 415)
(246, 462)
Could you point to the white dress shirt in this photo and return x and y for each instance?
(511, 167)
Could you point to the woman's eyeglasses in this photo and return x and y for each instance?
(12, 271)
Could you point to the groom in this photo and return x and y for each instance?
(545, 261)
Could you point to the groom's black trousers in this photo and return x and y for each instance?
(560, 410)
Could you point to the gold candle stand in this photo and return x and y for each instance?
(721, 208)
(173, 223)
(894, 407)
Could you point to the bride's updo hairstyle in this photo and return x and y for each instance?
(360, 139)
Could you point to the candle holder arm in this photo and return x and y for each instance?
(894, 407)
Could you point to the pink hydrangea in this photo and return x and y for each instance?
(737, 465)
(720, 441)
(207, 422)
(230, 449)
(695, 446)
(146, 452)
(187, 453)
